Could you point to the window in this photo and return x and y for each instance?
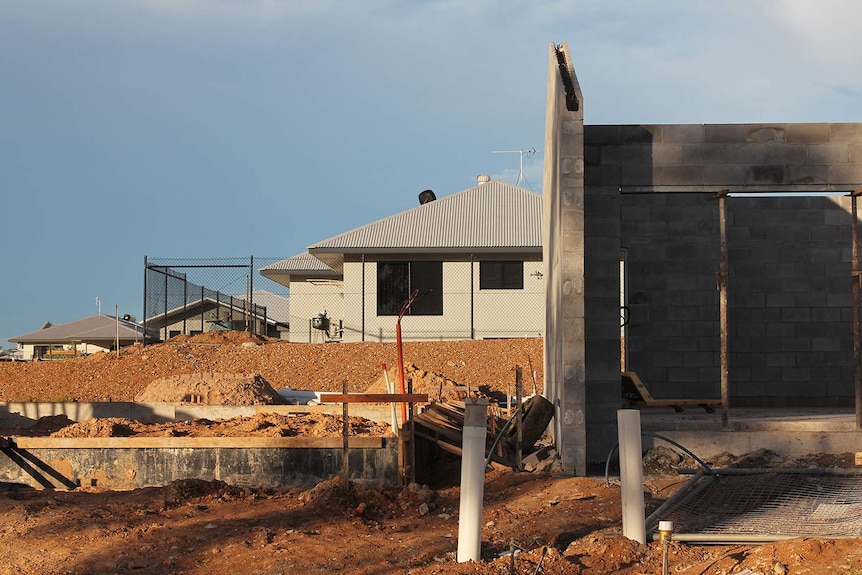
(501, 275)
(397, 280)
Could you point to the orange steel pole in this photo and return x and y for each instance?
(401, 389)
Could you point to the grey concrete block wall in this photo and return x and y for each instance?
(601, 313)
(751, 157)
(789, 283)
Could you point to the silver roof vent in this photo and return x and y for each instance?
(483, 178)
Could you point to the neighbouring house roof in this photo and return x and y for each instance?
(99, 330)
(277, 306)
(490, 216)
(302, 265)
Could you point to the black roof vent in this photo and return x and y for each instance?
(426, 196)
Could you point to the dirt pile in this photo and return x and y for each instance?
(300, 366)
(261, 425)
(211, 389)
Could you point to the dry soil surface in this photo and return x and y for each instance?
(302, 366)
(555, 524)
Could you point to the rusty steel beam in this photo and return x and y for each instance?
(722, 306)
(857, 335)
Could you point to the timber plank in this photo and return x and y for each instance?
(374, 397)
(195, 442)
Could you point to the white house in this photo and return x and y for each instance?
(215, 311)
(81, 337)
(475, 258)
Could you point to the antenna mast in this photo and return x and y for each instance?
(529, 153)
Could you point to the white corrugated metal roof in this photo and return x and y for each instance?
(492, 215)
(304, 262)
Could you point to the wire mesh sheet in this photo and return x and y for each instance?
(786, 503)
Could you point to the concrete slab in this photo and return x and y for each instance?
(788, 432)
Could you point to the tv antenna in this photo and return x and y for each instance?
(99, 305)
(529, 153)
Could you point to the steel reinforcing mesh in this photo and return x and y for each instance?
(784, 503)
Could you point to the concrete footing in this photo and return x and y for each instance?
(132, 462)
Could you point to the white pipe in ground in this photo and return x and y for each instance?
(472, 480)
(632, 474)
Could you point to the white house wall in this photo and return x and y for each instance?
(495, 313)
(310, 298)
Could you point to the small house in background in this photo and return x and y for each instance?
(82, 337)
(475, 258)
(223, 312)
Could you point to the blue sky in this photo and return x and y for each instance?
(228, 128)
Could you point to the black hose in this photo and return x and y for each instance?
(499, 435)
(702, 463)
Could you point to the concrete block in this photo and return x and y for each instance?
(667, 155)
(856, 153)
(807, 133)
(677, 345)
(724, 175)
(640, 134)
(592, 155)
(786, 154)
(807, 175)
(760, 133)
(826, 315)
(745, 154)
(603, 175)
(626, 155)
(845, 132)
(794, 344)
(831, 153)
(839, 299)
(682, 133)
(764, 175)
(780, 300)
(725, 133)
(813, 300)
(781, 359)
(680, 176)
(826, 343)
(641, 175)
(696, 359)
(602, 135)
(704, 154)
(846, 174)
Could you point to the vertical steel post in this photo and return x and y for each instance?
(519, 438)
(722, 305)
(363, 298)
(202, 309)
(146, 273)
(185, 302)
(345, 431)
(165, 270)
(252, 312)
(857, 336)
(472, 299)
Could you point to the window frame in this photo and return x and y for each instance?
(501, 275)
(396, 280)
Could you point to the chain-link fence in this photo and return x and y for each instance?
(456, 299)
(192, 296)
(479, 316)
